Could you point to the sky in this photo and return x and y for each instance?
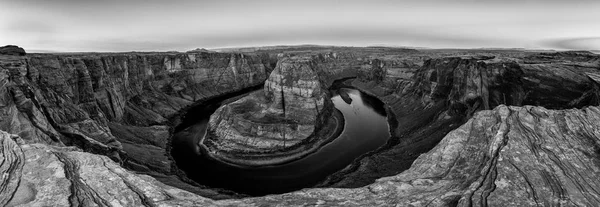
(181, 25)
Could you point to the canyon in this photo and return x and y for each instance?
(290, 111)
(467, 127)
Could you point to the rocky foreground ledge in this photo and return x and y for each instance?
(108, 104)
(445, 93)
(508, 156)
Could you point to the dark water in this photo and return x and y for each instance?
(366, 129)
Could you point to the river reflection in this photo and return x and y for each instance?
(365, 129)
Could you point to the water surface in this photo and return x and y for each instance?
(365, 129)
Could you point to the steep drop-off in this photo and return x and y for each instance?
(456, 143)
(290, 111)
(116, 104)
(445, 92)
(518, 156)
(292, 94)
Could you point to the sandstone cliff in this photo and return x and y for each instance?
(291, 110)
(445, 92)
(116, 104)
(470, 148)
(513, 156)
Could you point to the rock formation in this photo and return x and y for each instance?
(456, 142)
(12, 50)
(444, 93)
(117, 105)
(507, 156)
(41, 175)
(290, 109)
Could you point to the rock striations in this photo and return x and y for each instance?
(117, 105)
(445, 92)
(456, 142)
(517, 156)
(12, 50)
(290, 110)
(42, 175)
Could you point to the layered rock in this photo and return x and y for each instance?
(507, 156)
(288, 111)
(117, 105)
(12, 50)
(41, 175)
(294, 91)
(21, 113)
(445, 92)
(11, 166)
(513, 156)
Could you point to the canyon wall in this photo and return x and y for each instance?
(516, 156)
(117, 105)
(444, 93)
(455, 141)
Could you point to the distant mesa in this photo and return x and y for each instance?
(12, 50)
(201, 50)
(573, 53)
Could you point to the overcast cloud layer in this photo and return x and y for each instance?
(158, 25)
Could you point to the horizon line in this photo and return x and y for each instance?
(227, 49)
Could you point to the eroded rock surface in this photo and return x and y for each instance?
(444, 93)
(290, 109)
(12, 50)
(518, 156)
(66, 176)
(451, 115)
(117, 105)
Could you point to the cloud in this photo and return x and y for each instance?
(293, 35)
(111, 25)
(30, 25)
(580, 43)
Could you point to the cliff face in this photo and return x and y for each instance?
(118, 86)
(468, 84)
(293, 89)
(445, 92)
(513, 156)
(290, 110)
(116, 104)
(470, 148)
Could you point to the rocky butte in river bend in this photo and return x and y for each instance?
(469, 127)
(259, 128)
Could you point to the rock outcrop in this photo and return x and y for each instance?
(11, 166)
(42, 175)
(12, 50)
(509, 156)
(455, 143)
(290, 110)
(445, 92)
(117, 105)
(518, 156)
